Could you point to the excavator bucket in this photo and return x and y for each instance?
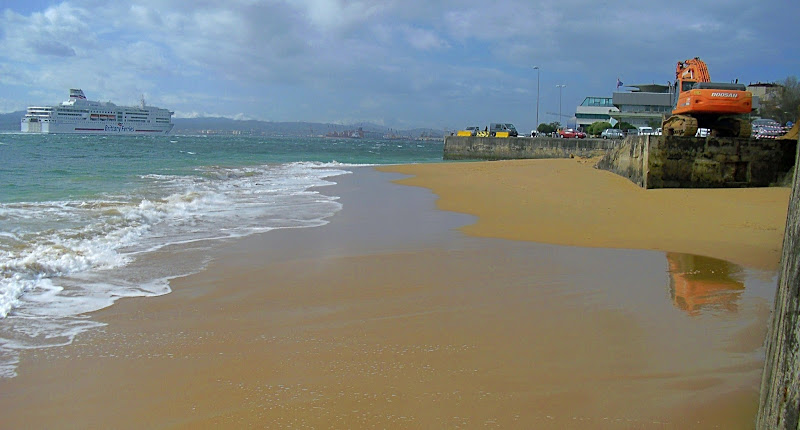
(792, 133)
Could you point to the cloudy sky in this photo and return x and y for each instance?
(400, 63)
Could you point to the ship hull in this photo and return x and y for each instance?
(48, 127)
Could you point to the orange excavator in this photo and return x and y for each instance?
(723, 108)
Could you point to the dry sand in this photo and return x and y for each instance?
(387, 318)
(567, 202)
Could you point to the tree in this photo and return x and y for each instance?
(654, 123)
(623, 125)
(597, 127)
(784, 105)
(548, 128)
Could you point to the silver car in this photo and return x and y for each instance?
(612, 133)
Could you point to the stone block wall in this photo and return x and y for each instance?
(628, 159)
(713, 162)
(491, 148)
(780, 385)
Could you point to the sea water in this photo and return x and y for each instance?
(86, 220)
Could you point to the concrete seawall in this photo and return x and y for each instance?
(780, 385)
(679, 162)
(491, 148)
(651, 161)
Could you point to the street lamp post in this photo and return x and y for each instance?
(537, 97)
(560, 87)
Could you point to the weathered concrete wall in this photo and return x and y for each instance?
(650, 161)
(628, 159)
(491, 148)
(780, 384)
(677, 162)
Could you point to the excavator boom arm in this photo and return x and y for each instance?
(693, 69)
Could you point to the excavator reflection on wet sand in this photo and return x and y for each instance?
(723, 108)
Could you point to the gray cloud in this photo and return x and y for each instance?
(433, 62)
(52, 47)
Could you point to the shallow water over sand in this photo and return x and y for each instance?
(388, 317)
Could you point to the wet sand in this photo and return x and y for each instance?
(389, 317)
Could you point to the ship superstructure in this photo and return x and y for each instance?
(81, 116)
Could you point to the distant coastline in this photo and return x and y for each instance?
(9, 122)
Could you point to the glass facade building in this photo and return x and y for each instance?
(644, 106)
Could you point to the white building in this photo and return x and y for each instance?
(644, 106)
(594, 109)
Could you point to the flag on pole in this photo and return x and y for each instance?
(619, 83)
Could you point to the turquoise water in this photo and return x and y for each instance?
(86, 220)
(54, 167)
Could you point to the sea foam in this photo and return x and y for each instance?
(61, 260)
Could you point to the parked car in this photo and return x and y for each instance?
(512, 130)
(494, 128)
(645, 131)
(566, 133)
(569, 133)
(612, 133)
(473, 130)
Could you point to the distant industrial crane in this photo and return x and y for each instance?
(560, 116)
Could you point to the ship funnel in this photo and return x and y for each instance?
(76, 93)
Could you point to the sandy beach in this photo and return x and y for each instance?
(566, 202)
(543, 294)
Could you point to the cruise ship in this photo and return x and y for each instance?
(81, 116)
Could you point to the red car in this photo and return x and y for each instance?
(569, 133)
